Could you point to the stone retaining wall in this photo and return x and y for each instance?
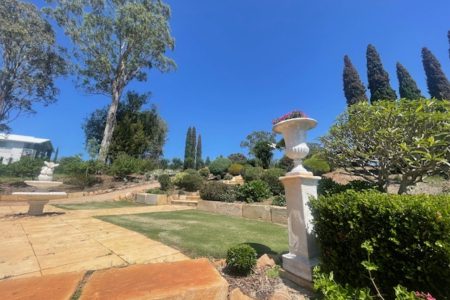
(268, 213)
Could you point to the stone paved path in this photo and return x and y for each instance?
(74, 241)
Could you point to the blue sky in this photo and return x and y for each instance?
(242, 63)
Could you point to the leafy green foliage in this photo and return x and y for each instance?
(254, 191)
(220, 166)
(189, 181)
(407, 86)
(271, 177)
(204, 172)
(139, 132)
(241, 259)
(329, 187)
(263, 153)
(257, 137)
(317, 165)
(286, 163)
(176, 164)
(235, 169)
(29, 60)
(409, 240)
(124, 165)
(252, 173)
(218, 191)
(165, 182)
(198, 153)
(379, 86)
(438, 84)
(279, 200)
(354, 89)
(81, 173)
(26, 167)
(409, 137)
(238, 158)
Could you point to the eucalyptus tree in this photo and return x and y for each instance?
(114, 43)
(29, 60)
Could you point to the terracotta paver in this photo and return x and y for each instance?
(59, 287)
(74, 241)
(192, 279)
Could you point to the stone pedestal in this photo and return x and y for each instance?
(303, 250)
(36, 207)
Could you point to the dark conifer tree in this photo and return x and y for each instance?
(193, 145)
(438, 84)
(407, 86)
(207, 161)
(448, 36)
(198, 154)
(354, 89)
(188, 162)
(379, 86)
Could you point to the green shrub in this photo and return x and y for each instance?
(80, 173)
(279, 200)
(410, 237)
(235, 169)
(254, 191)
(189, 182)
(220, 166)
(228, 177)
(317, 165)
(124, 165)
(26, 167)
(252, 173)
(156, 191)
(204, 172)
(146, 165)
(241, 259)
(218, 191)
(328, 186)
(271, 176)
(165, 182)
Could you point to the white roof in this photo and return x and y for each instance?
(22, 138)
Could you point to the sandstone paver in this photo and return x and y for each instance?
(60, 287)
(192, 279)
(74, 241)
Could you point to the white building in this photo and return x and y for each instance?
(13, 147)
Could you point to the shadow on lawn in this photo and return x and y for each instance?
(263, 249)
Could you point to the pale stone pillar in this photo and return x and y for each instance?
(303, 250)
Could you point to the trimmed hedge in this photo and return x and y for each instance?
(252, 173)
(410, 236)
(220, 166)
(190, 182)
(218, 191)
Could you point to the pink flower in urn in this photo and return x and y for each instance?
(427, 296)
(292, 115)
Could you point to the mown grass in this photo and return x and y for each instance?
(98, 205)
(201, 234)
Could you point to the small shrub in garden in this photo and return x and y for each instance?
(218, 191)
(235, 169)
(156, 191)
(279, 200)
(228, 177)
(190, 182)
(165, 182)
(26, 167)
(409, 237)
(220, 166)
(241, 259)
(254, 191)
(252, 173)
(204, 172)
(271, 176)
(124, 165)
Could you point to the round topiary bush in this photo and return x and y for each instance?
(218, 191)
(190, 182)
(252, 173)
(235, 169)
(204, 172)
(241, 259)
(254, 191)
(165, 182)
(220, 166)
(271, 177)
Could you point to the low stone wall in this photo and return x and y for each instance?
(151, 199)
(268, 213)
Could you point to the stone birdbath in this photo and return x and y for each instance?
(38, 199)
(299, 185)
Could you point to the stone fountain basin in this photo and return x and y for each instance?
(38, 196)
(43, 185)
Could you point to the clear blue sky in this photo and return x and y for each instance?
(243, 63)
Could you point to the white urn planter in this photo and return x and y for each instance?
(299, 185)
(294, 132)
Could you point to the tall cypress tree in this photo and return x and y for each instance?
(438, 84)
(188, 149)
(379, 86)
(354, 89)
(193, 145)
(448, 36)
(198, 155)
(407, 86)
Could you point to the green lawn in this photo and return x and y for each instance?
(98, 205)
(199, 234)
